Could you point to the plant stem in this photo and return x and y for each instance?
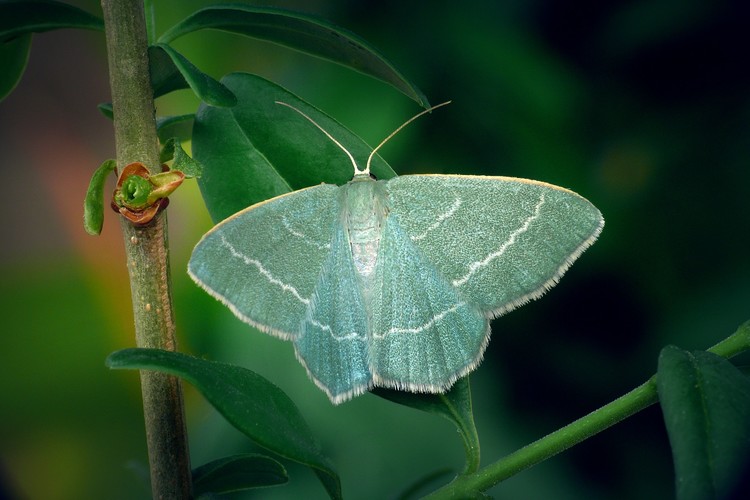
(641, 397)
(146, 248)
(736, 343)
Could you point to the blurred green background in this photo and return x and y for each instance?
(642, 106)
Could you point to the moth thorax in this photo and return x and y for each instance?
(364, 216)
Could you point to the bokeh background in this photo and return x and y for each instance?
(641, 106)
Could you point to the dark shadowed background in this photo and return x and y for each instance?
(643, 107)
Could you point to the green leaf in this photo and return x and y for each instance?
(179, 126)
(14, 55)
(706, 406)
(237, 473)
(164, 184)
(23, 16)
(259, 149)
(165, 80)
(455, 405)
(248, 401)
(171, 71)
(301, 32)
(173, 150)
(105, 108)
(165, 77)
(93, 205)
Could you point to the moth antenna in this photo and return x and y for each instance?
(407, 122)
(356, 167)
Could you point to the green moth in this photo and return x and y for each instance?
(393, 283)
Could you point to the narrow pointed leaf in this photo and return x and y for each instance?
(171, 71)
(706, 405)
(259, 149)
(237, 473)
(300, 32)
(174, 126)
(14, 55)
(165, 77)
(23, 16)
(455, 405)
(248, 401)
(93, 205)
(206, 88)
(172, 150)
(105, 108)
(19, 19)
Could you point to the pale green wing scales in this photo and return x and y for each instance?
(333, 345)
(424, 334)
(500, 241)
(264, 262)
